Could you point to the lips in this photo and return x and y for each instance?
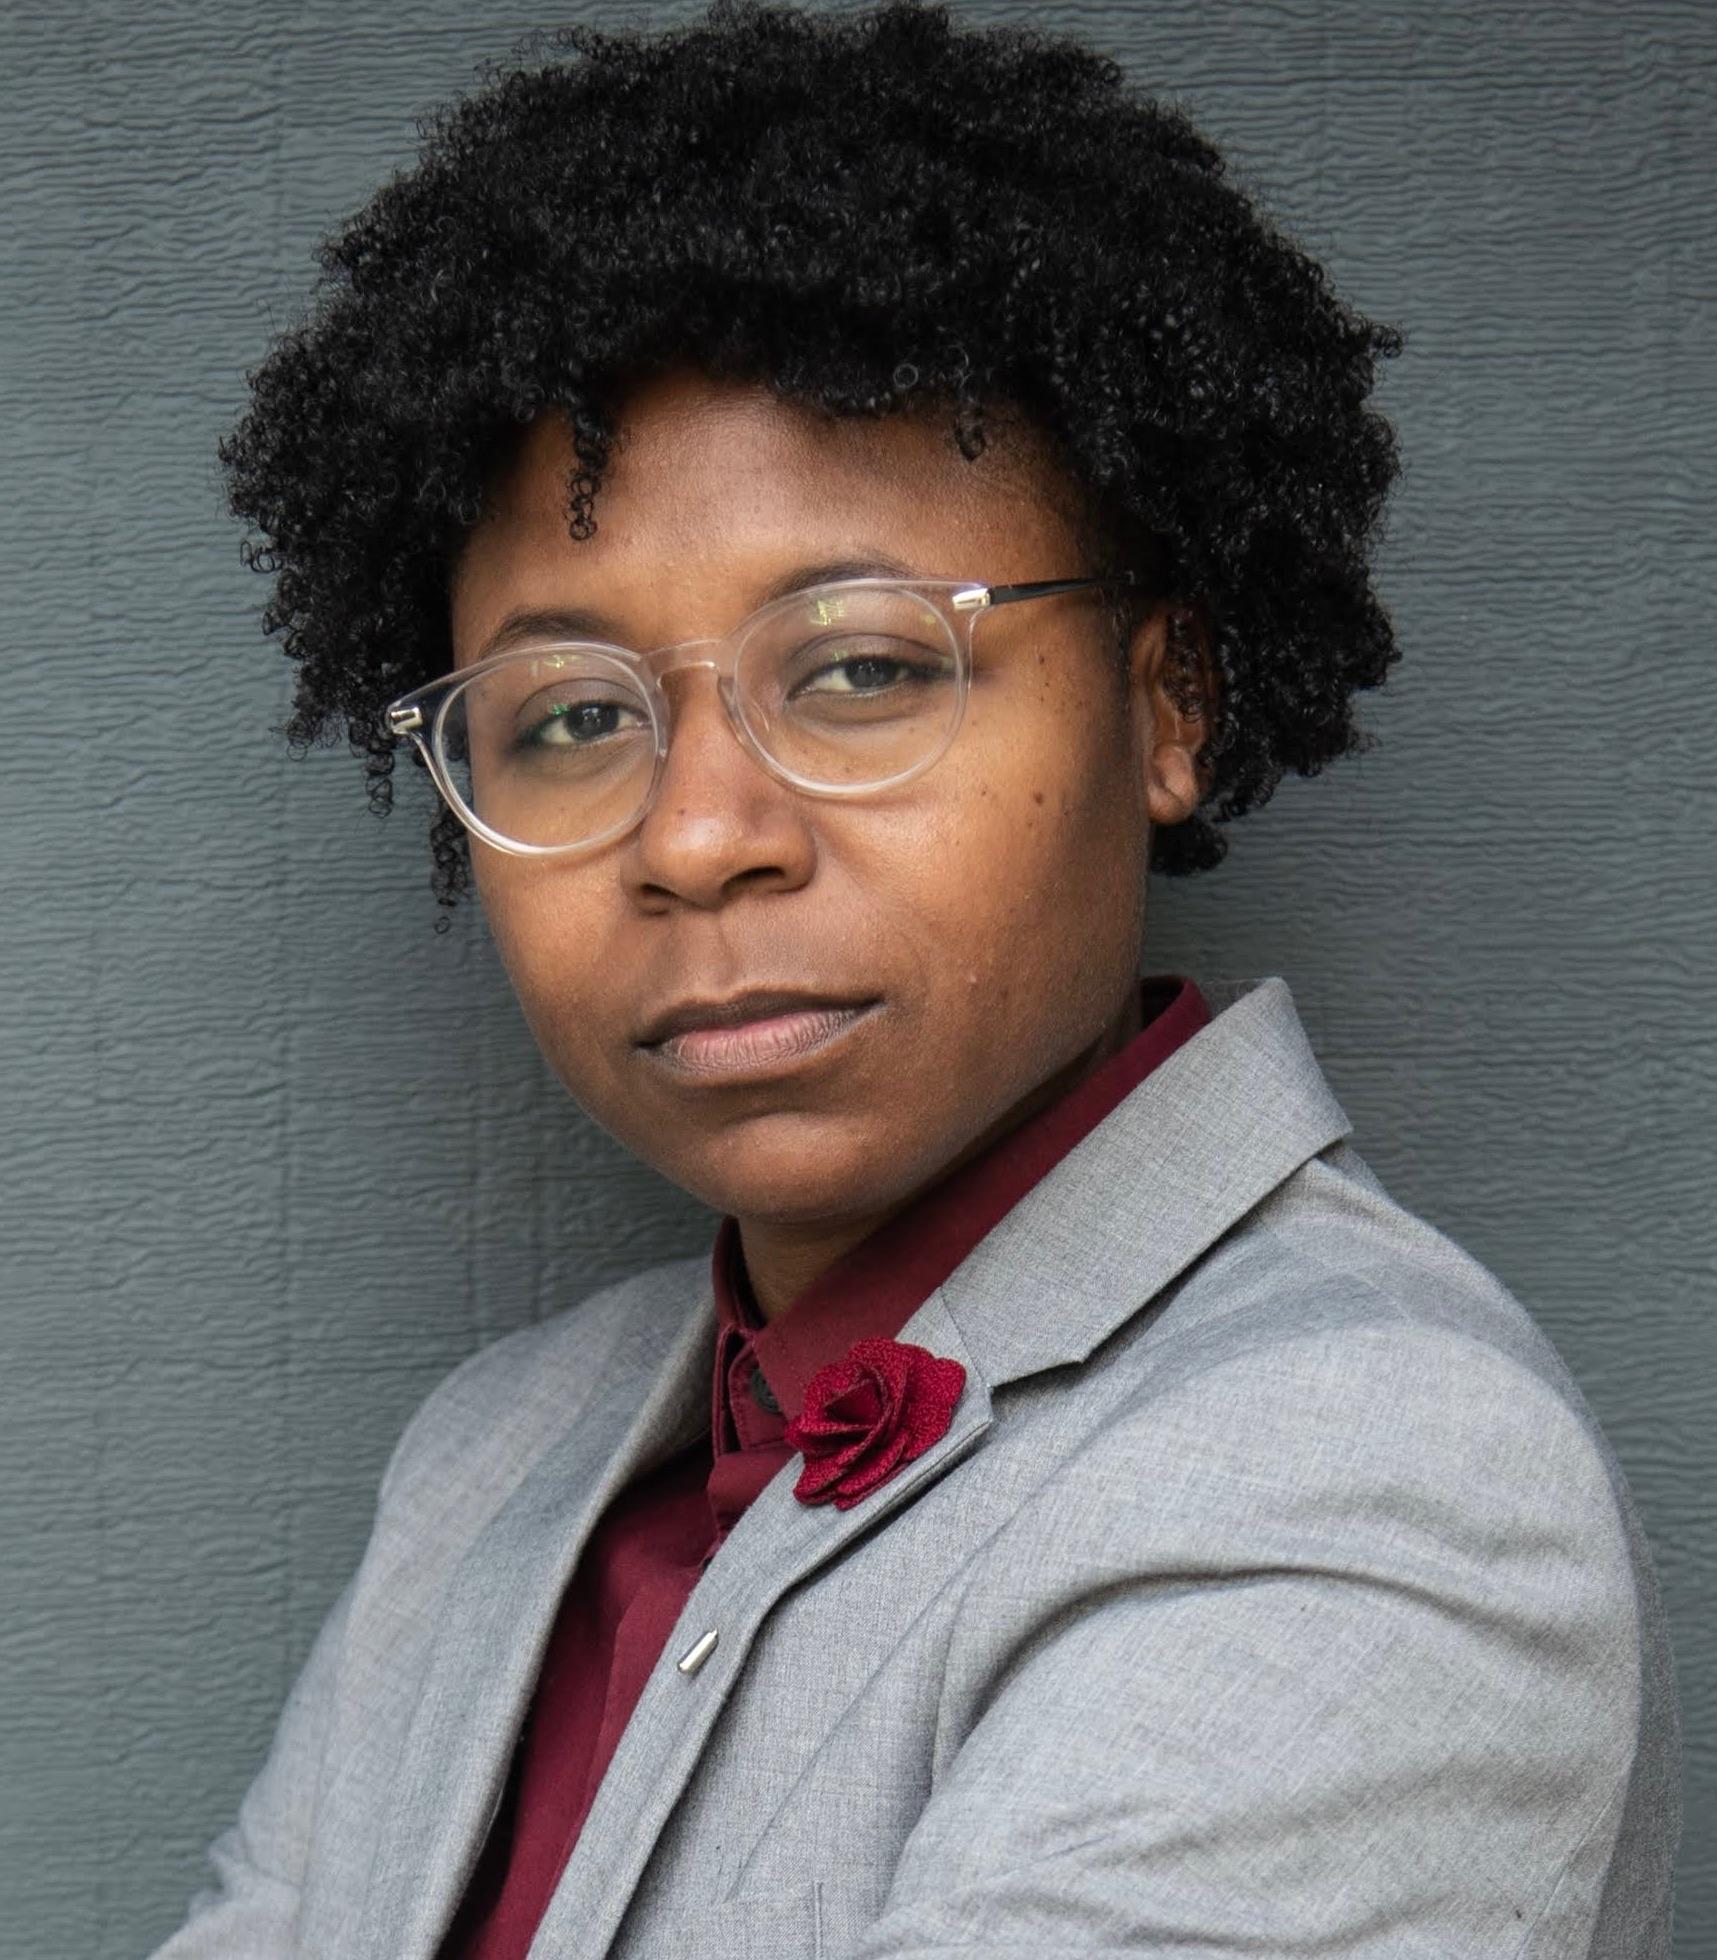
(753, 1037)
(755, 1004)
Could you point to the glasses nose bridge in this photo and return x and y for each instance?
(719, 652)
(684, 654)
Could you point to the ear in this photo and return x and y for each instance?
(1175, 698)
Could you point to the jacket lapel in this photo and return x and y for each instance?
(1208, 1135)
(775, 1543)
(648, 1397)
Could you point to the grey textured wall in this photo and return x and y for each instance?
(275, 1156)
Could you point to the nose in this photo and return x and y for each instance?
(720, 825)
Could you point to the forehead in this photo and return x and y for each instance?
(714, 489)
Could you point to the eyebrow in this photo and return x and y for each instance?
(590, 622)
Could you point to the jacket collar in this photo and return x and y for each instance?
(1208, 1135)
(1205, 1137)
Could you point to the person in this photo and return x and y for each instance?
(833, 501)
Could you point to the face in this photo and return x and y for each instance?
(972, 933)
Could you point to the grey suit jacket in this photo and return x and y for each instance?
(1272, 1592)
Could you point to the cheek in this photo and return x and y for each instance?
(551, 932)
(1045, 803)
(1036, 849)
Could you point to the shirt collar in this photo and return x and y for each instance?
(877, 1286)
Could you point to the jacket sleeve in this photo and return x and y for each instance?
(258, 1860)
(1331, 1650)
(496, 1399)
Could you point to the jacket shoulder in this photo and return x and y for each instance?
(1332, 1256)
(1337, 1377)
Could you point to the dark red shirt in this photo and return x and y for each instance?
(653, 1542)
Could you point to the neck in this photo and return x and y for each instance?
(783, 1259)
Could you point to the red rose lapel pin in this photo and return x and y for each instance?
(866, 1416)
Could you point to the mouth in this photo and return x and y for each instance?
(751, 1035)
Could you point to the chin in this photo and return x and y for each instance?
(799, 1170)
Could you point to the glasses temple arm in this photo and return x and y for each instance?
(1002, 595)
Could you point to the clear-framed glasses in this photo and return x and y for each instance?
(840, 690)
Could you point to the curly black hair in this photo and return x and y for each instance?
(864, 211)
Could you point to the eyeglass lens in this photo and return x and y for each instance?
(842, 690)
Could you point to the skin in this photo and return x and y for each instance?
(995, 905)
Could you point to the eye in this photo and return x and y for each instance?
(861, 674)
(581, 723)
(863, 667)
